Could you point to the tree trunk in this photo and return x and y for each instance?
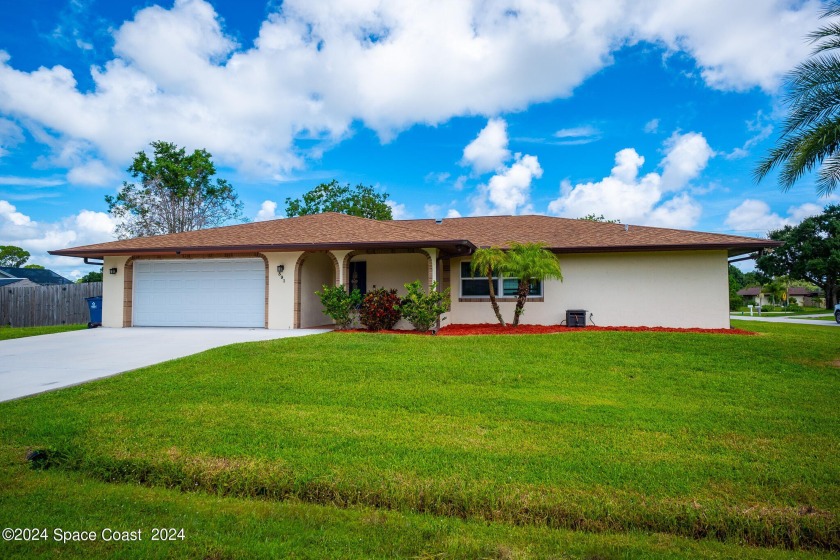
(493, 301)
(521, 296)
(830, 290)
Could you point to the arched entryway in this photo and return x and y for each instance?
(313, 270)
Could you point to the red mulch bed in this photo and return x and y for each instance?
(495, 328)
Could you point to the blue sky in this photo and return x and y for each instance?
(650, 112)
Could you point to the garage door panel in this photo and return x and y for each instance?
(205, 292)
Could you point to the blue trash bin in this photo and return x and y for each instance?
(95, 308)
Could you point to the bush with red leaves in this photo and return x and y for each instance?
(380, 310)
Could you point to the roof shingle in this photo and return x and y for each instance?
(332, 230)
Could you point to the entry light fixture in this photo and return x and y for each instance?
(112, 270)
(280, 269)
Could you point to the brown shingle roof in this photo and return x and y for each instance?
(575, 236)
(336, 231)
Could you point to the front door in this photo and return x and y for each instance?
(358, 276)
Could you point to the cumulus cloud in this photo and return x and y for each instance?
(398, 211)
(508, 191)
(686, 155)
(83, 228)
(755, 217)
(650, 199)
(267, 211)
(318, 67)
(10, 136)
(489, 149)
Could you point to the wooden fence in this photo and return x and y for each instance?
(40, 306)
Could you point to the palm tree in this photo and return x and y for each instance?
(487, 262)
(811, 134)
(527, 262)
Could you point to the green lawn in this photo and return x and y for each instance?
(613, 433)
(7, 333)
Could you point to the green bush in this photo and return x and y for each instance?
(380, 309)
(422, 310)
(340, 306)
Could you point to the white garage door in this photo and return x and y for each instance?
(199, 293)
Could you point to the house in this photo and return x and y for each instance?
(28, 277)
(806, 297)
(265, 274)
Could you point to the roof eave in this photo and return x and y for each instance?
(286, 247)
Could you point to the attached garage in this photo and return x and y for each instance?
(199, 293)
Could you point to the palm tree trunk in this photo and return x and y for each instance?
(493, 301)
(521, 296)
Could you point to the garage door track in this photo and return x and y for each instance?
(42, 363)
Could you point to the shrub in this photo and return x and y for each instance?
(422, 310)
(380, 309)
(340, 306)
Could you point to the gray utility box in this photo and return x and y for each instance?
(576, 317)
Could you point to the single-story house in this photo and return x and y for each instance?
(265, 274)
(29, 277)
(806, 297)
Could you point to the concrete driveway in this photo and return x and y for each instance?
(42, 363)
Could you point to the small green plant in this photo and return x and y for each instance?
(423, 309)
(340, 306)
(380, 309)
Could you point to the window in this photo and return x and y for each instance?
(477, 287)
(510, 286)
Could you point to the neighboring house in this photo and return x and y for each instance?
(265, 274)
(805, 297)
(17, 283)
(37, 276)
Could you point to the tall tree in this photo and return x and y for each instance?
(811, 252)
(361, 200)
(13, 256)
(529, 262)
(810, 137)
(176, 193)
(488, 262)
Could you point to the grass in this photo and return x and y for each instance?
(829, 317)
(685, 435)
(232, 528)
(7, 333)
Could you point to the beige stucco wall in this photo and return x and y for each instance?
(316, 271)
(281, 291)
(669, 289)
(393, 270)
(113, 292)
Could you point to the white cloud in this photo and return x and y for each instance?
(755, 216)
(760, 128)
(93, 173)
(452, 213)
(35, 182)
(489, 149)
(10, 136)
(686, 155)
(318, 67)
(83, 228)
(578, 135)
(652, 126)
(508, 191)
(267, 211)
(625, 196)
(398, 211)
